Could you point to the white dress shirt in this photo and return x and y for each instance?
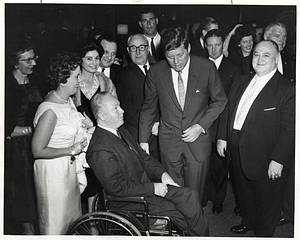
(217, 61)
(260, 84)
(114, 131)
(142, 67)
(106, 71)
(156, 41)
(184, 76)
(280, 65)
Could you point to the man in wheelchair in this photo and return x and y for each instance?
(125, 170)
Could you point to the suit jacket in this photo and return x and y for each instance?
(198, 50)
(289, 67)
(268, 132)
(228, 72)
(122, 169)
(114, 73)
(204, 85)
(131, 84)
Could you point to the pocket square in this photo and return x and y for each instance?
(269, 109)
(197, 91)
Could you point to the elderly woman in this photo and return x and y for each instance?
(54, 145)
(21, 100)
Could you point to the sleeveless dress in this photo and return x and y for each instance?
(57, 188)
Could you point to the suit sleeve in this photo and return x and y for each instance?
(218, 98)
(124, 90)
(149, 108)
(284, 148)
(110, 175)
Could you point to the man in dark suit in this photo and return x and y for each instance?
(189, 92)
(260, 140)
(217, 176)
(148, 22)
(65, 40)
(131, 84)
(198, 47)
(125, 170)
(277, 32)
(107, 63)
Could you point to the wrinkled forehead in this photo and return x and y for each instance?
(147, 16)
(137, 41)
(112, 46)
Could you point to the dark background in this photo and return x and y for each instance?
(19, 17)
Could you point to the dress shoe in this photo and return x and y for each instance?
(237, 211)
(217, 208)
(282, 221)
(240, 229)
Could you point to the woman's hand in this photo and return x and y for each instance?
(87, 121)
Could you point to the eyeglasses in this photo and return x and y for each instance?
(29, 60)
(133, 48)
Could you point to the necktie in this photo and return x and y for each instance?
(181, 91)
(153, 50)
(146, 69)
(246, 104)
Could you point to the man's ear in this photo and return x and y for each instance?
(189, 48)
(156, 21)
(140, 23)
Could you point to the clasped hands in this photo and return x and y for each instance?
(161, 189)
(79, 146)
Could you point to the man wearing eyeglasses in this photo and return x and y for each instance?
(130, 88)
(148, 22)
(190, 95)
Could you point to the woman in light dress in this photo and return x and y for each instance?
(55, 146)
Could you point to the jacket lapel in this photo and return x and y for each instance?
(168, 81)
(192, 80)
(264, 95)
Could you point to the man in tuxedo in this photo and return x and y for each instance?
(198, 47)
(131, 85)
(125, 170)
(190, 95)
(107, 62)
(277, 32)
(260, 140)
(148, 22)
(217, 176)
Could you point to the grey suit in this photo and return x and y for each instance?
(205, 99)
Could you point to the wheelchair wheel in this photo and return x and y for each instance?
(103, 223)
(98, 205)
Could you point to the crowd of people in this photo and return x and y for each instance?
(171, 123)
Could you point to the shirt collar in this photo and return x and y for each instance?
(113, 131)
(217, 61)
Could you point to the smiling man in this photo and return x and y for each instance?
(260, 140)
(190, 95)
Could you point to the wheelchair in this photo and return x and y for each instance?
(106, 221)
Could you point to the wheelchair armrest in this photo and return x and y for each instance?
(135, 199)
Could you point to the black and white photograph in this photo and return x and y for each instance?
(149, 119)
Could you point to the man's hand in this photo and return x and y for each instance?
(154, 130)
(275, 170)
(160, 189)
(192, 133)
(166, 178)
(221, 147)
(145, 146)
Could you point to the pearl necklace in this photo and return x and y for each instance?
(59, 98)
